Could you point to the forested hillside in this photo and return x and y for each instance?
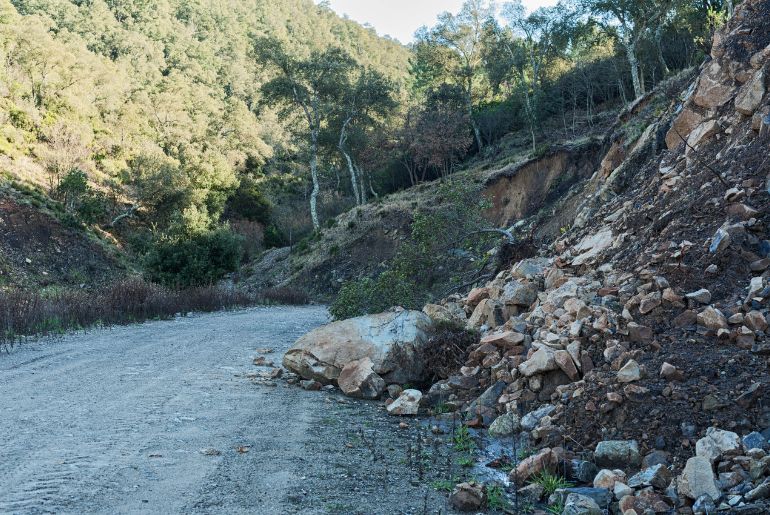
(194, 135)
(146, 118)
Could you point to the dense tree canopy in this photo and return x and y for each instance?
(163, 120)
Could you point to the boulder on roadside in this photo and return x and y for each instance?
(358, 379)
(390, 340)
(408, 403)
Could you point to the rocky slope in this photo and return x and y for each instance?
(633, 354)
(646, 323)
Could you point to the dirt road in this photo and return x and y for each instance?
(167, 417)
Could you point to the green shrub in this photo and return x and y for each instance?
(193, 260)
(367, 295)
(250, 203)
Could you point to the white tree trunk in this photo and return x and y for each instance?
(314, 176)
(353, 176)
(633, 62)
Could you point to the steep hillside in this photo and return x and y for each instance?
(138, 120)
(645, 326)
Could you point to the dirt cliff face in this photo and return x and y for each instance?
(520, 190)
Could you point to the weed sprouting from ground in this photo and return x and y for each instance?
(550, 482)
(462, 440)
(41, 313)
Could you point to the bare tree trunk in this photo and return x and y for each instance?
(314, 176)
(351, 168)
(362, 184)
(353, 177)
(633, 61)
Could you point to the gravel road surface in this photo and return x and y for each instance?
(173, 417)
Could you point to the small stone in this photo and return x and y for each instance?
(577, 504)
(358, 379)
(309, 384)
(712, 269)
(698, 479)
(657, 476)
(718, 443)
(545, 460)
(505, 425)
(639, 333)
(566, 364)
(704, 505)
(649, 303)
(630, 372)
(408, 403)
(670, 373)
(703, 296)
(617, 454)
(760, 492)
(468, 497)
(606, 478)
(755, 440)
(621, 490)
(712, 319)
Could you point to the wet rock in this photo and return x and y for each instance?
(388, 339)
(358, 379)
(760, 492)
(698, 479)
(657, 476)
(505, 425)
(468, 497)
(408, 403)
(617, 454)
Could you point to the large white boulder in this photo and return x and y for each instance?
(389, 340)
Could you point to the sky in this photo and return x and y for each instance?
(400, 18)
